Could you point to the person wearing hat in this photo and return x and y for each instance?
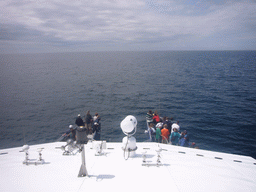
(71, 133)
(79, 121)
(175, 126)
(184, 142)
(183, 133)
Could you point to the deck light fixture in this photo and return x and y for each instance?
(129, 128)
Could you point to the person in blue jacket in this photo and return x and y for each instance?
(185, 142)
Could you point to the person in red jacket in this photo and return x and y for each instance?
(156, 118)
(165, 134)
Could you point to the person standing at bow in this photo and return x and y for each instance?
(149, 117)
(88, 121)
(156, 118)
(165, 134)
(96, 127)
(79, 121)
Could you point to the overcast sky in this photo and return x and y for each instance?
(113, 25)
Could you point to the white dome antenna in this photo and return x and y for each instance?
(129, 128)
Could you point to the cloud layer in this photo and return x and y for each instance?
(96, 25)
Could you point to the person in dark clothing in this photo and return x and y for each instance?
(184, 142)
(79, 121)
(71, 133)
(183, 134)
(88, 121)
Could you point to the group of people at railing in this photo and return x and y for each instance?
(92, 125)
(166, 130)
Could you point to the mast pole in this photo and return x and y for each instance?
(83, 171)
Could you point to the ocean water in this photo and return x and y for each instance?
(211, 93)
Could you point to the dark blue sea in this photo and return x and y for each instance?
(211, 93)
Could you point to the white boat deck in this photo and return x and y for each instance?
(181, 169)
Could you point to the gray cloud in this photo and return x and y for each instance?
(120, 24)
